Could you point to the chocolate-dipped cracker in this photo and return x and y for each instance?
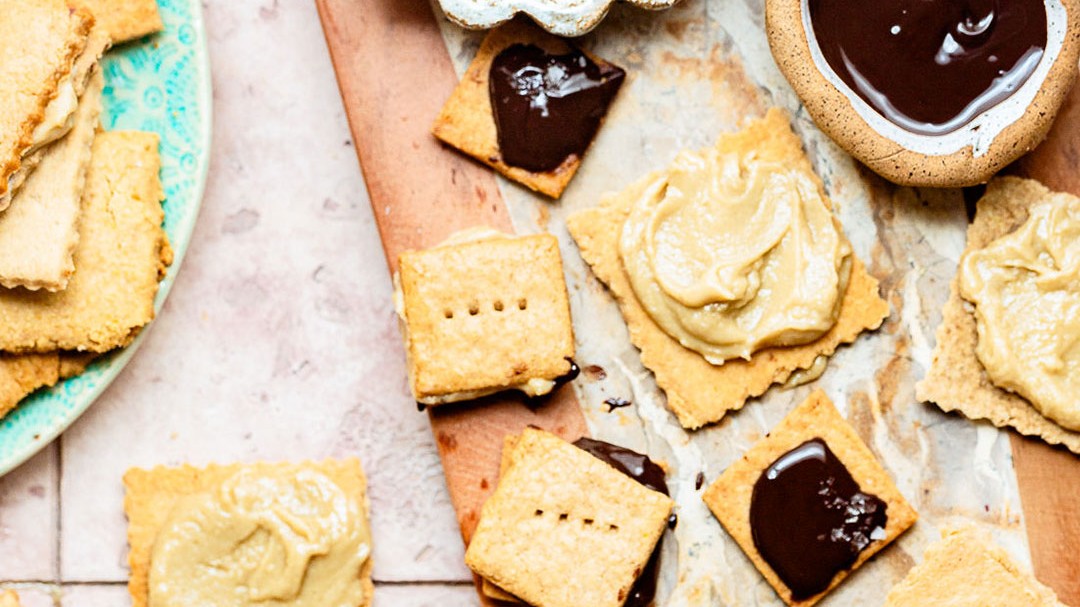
(529, 106)
(929, 93)
(809, 503)
(483, 314)
(564, 528)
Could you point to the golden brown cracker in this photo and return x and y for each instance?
(126, 20)
(698, 392)
(23, 374)
(965, 569)
(729, 496)
(489, 589)
(39, 232)
(150, 496)
(75, 363)
(564, 529)
(121, 256)
(467, 121)
(485, 316)
(39, 43)
(956, 380)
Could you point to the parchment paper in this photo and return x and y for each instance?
(695, 71)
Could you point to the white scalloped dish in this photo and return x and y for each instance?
(560, 17)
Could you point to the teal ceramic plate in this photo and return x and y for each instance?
(161, 84)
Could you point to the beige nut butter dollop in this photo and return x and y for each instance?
(282, 535)
(1026, 290)
(730, 254)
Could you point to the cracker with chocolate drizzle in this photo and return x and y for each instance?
(809, 503)
(566, 528)
(529, 106)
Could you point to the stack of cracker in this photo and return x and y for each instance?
(82, 247)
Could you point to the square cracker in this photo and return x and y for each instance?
(40, 230)
(150, 496)
(39, 42)
(729, 496)
(488, 588)
(956, 380)
(121, 256)
(22, 374)
(8, 598)
(126, 20)
(965, 570)
(484, 316)
(698, 392)
(564, 529)
(467, 121)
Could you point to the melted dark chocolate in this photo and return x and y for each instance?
(809, 519)
(645, 471)
(548, 107)
(931, 66)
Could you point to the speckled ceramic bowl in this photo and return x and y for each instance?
(159, 84)
(561, 17)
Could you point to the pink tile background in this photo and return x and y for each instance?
(278, 342)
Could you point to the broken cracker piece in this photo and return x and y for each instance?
(956, 380)
(485, 316)
(729, 497)
(564, 529)
(23, 374)
(150, 496)
(698, 392)
(126, 20)
(467, 121)
(121, 256)
(965, 569)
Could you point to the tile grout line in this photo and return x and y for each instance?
(59, 508)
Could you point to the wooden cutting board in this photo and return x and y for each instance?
(395, 73)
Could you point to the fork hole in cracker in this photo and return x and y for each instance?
(498, 305)
(613, 527)
(539, 513)
(523, 303)
(448, 313)
(474, 309)
(588, 522)
(563, 517)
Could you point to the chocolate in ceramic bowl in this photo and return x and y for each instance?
(560, 17)
(929, 92)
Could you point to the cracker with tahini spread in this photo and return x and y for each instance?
(485, 316)
(39, 44)
(956, 380)
(564, 529)
(39, 232)
(729, 496)
(150, 496)
(698, 392)
(122, 254)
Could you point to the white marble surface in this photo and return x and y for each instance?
(278, 342)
